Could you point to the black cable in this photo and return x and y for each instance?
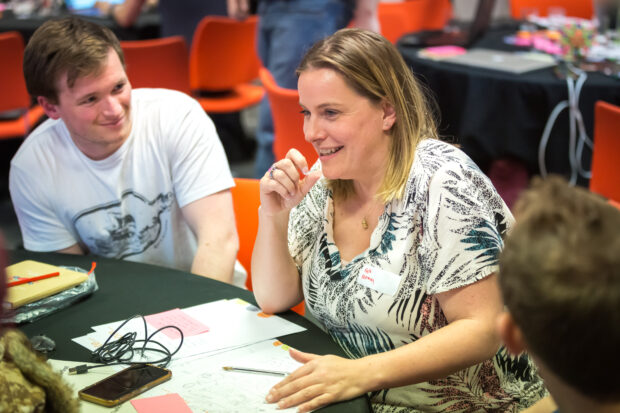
(121, 351)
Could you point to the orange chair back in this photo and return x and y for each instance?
(246, 200)
(14, 97)
(159, 63)
(288, 122)
(574, 8)
(605, 171)
(397, 19)
(13, 93)
(223, 53)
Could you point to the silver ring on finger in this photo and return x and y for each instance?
(271, 170)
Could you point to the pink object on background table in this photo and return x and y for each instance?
(441, 52)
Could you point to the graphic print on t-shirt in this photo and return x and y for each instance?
(126, 227)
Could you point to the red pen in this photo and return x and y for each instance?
(31, 279)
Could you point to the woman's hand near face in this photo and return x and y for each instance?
(322, 380)
(275, 277)
(282, 186)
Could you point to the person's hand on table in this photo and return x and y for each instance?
(282, 187)
(322, 380)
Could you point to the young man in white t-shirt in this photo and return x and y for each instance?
(139, 176)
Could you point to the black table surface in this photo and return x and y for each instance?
(146, 26)
(127, 288)
(495, 114)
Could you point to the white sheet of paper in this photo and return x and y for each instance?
(203, 384)
(231, 323)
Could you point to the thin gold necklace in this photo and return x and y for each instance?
(364, 223)
(364, 219)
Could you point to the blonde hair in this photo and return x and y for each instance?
(374, 68)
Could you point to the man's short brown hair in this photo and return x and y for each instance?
(560, 279)
(69, 45)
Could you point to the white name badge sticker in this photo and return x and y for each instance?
(383, 281)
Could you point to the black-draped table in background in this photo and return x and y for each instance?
(128, 288)
(145, 27)
(495, 114)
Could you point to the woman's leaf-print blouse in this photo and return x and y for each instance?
(445, 233)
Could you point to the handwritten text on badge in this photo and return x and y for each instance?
(382, 281)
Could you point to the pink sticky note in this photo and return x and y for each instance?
(161, 404)
(447, 50)
(188, 325)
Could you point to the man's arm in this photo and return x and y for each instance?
(212, 220)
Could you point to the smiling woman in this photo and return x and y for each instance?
(343, 128)
(392, 239)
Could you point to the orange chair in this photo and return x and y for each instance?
(606, 152)
(574, 8)
(161, 63)
(246, 201)
(17, 117)
(288, 122)
(222, 64)
(404, 17)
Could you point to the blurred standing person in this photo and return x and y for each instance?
(286, 30)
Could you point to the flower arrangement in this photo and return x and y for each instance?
(576, 39)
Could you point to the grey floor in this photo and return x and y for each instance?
(8, 221)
